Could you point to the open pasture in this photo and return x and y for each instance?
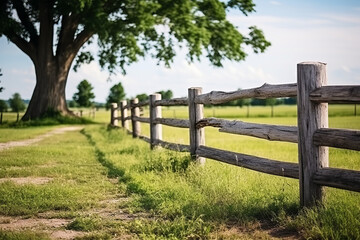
(208, 202)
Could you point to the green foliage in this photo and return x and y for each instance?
(72, 104)
(142, 97)
(16, 103)
(270, 101)
(84, 96)
(128, 30)
(49, 121)
(166, 94)
(116, 94)
(3, 106)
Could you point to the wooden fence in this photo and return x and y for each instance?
(312, 133)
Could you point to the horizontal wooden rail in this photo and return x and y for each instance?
(265, 91)
(141, 104)
(142, 119)
(336, 94)
(172, 102)
(127, 106)
(338, 178)
(127, 118)
(173, 146)
(145, 138)
(181, 123)
(264, 165)
(339, 138)
(265, 131)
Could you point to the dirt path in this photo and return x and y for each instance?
(28, 142)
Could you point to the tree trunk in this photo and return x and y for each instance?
(49, 94)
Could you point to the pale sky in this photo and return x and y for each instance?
(323, 30)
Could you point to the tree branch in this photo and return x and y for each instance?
(25, 20)
(69, 24)
(81, 39)
(27, 47)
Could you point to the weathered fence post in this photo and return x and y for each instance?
(114, 114)
(196, 112)
(135, 112)
(311, 116)
(124, 114)
(155, 112)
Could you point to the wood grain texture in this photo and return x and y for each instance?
(197, 135)
(172, 102)
(142, 119)
(145, 138)
(124, 114)
(155, 112)
(114, 114)
(311, 117)
(264, 131)
(180, 123)
(265, 91)
(259, 164)
(173, 146)
(135, 113)
(338, 178)
(339, 138)
(141, 104)
(336, 94)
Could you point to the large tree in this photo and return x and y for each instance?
(53, 32)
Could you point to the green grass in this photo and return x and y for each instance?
(23, 235)
(67, 191)
(254, 111)
(181, 199)
(13, 134)
(220, 193)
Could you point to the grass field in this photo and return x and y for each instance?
(169, 196)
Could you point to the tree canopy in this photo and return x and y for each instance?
(84, 96)
(142, 97)
(117, 93)
(166, 94)
(3, 106)
(16, 103)
(53, 34)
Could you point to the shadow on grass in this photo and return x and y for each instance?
(113, 171)
(169, 184)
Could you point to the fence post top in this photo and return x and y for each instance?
(155, 94)
(114, 105)
(195, 88)
(134, 100)
(311, 63)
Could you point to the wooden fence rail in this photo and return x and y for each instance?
(312, 133)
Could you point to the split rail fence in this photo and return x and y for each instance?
(312, 133)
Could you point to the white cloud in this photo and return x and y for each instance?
(275, 3)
